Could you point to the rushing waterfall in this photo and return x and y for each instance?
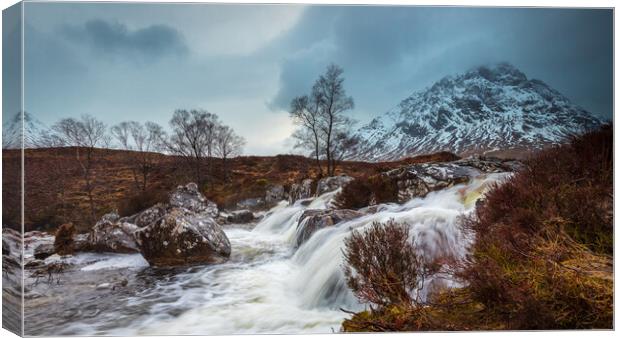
(269, 285)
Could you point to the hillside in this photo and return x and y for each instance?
(487, 109)
(51, 171)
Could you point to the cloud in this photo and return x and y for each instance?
(116, 40)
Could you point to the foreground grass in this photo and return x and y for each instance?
(543, 252)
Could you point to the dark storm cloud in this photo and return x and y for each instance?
(389, 51)
(114, 38)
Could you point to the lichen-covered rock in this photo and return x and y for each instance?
(301, 190)
(313, 220)
(328, 184)
(183, 237)
(240, 216)
(190, 198)
(274, 194)
(44, 250)
(146, 216)
(111, 234)
(418, 180)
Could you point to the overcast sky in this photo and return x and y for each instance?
(245, 62)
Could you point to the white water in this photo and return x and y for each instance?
(269, 286)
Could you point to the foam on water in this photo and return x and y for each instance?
(269, 286)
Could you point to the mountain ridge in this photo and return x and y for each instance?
(487, 108)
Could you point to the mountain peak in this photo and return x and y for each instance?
(493, 107)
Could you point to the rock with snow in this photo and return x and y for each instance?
(328, 184)
(183, 237)
(274, 194)
(301, 190)
(313, 220)
(486, 109)
(110, 234)
(190, 198)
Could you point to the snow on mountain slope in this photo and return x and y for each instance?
(485, 109)
(18, 125)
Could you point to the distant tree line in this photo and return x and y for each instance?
(323, 127)
(197, 136)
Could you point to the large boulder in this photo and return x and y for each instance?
(313, 220)
(111, 234)
(328, 184)
(183, 237)
(301, 190)
(146, 216)
(190, 198)
(274, 194)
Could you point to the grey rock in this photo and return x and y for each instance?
(183, 237)
(190, 198)
(43, 251)
(274, 194)
(313, 220)
(240, 216)
(112, 235)
(328, 184)
(301, 190)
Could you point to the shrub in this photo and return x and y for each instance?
(365, 191)
(381, 265)
(63, 243)
(544, 240)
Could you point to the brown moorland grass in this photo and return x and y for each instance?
(542, 256)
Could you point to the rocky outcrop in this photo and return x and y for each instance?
(44, 250)
(240, 216)
(274, 194)
(328, 184)
(418, 180)
(190, 198)
(183, 237)
(313, 220)
(301, 190)
(147, 216)
(111, 234)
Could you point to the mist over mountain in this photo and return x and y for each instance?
(488, 108)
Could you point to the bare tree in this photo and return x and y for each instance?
(227, 144)
(191, 138)
(142, 140)
(85, 134)
(322, 118)
(305, 112)
(334, 103)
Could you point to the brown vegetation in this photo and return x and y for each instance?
(63, 242)
(55, 194)
(542, 256)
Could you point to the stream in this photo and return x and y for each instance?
(267, 286)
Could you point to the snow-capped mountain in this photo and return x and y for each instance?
(485, 109)
(18, 125)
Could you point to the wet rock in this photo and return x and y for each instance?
(190, 198)
(182, 237)
(80, 242)
(112, 235)
(147, 216)
(328, 184)
(274, 194)
(313, 220)
(240, 216)
(43, 251)
(103, 286)
(33, 264)
(6, 247)
(251, 203)
(301, 190)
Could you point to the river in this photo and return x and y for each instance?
(268, 285)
